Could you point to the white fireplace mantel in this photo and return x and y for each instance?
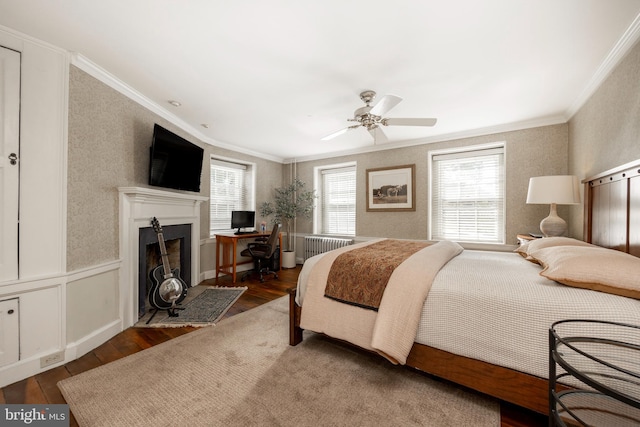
(137, 206)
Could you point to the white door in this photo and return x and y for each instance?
(9, 332)
(9, 162)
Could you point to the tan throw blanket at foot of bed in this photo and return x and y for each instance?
(392, 330)
(360, 276)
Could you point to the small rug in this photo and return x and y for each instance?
(203, 306)
(242, 372)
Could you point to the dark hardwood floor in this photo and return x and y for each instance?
(42, 388)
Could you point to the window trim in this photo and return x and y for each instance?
(252, 193)
(461, 150)
(317, 186)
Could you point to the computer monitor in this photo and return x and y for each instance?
(243, 219)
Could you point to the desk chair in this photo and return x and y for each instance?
(262, 253)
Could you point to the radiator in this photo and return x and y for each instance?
(314, 245)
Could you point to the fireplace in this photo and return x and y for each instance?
(177, 240)
(172, 209)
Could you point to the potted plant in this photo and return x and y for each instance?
(289, 202)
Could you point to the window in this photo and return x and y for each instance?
(467, 195)
(336, 189)
(231, 190)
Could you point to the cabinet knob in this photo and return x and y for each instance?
(10, 311)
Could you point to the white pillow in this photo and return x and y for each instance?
(526, 249)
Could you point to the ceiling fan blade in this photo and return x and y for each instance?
(385, 104)
(378, 135)
(409, 122)
(338, 133)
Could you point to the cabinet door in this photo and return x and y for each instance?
(9, 162)
(9, 332)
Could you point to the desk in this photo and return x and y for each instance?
(227, 247)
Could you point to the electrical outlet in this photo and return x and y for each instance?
(51, 359)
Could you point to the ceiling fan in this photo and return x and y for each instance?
(371, 118)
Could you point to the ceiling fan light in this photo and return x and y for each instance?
(371, 117)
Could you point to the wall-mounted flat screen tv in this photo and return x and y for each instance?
(175, 162)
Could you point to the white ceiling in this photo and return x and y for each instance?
(274, 77)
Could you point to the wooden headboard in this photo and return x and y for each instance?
(612, 208)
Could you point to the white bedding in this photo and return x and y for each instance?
(495, 307)
(390, 330)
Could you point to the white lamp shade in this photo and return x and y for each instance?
(558, 189)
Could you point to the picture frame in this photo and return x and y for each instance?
(391, 189)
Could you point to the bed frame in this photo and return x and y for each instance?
(612, 220)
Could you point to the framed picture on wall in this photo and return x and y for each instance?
(391, 189)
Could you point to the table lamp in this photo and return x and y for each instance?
(553, 190)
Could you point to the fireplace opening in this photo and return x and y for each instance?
(177, 240)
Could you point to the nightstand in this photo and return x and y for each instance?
(524, 238)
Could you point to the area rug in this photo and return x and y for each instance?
(242, 372)
(203, 306)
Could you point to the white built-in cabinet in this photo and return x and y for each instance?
(9, 331)
(9, 161)
(32, 297)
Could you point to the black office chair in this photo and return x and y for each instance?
(262, 254)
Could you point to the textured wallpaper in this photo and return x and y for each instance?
(110, 135)
(605, 132)
(530, 152)
(109, 140)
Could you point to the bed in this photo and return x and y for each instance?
(484, 323)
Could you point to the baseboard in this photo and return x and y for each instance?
(21, 370)
(32, 366)
(89, 342)
(206, 275)
(211, 274)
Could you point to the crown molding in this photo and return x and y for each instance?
(615, 56)
(613, 59)
(16, 40)
(113, 82)
(471, 133)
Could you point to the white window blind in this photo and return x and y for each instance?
(231, 190)
(338, 200)
(467, 202)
